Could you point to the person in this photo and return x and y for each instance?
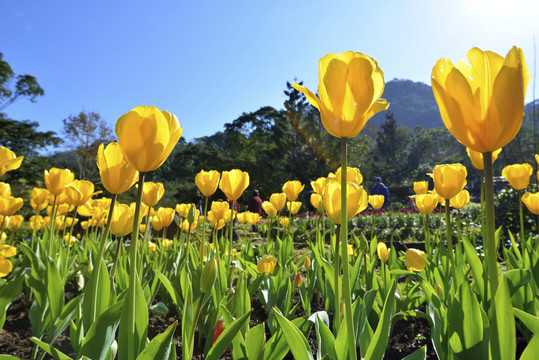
(197, 200)
(255, 205)
(380, 189)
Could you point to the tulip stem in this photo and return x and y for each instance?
(132, 348)
(337, 319)
(344, 238)
(204, 242)
(490, 240)
(51, 233)
(521, 215)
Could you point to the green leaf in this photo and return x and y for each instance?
(255, 339)
(8, 292)
(379, 341)
(102, 333)
(477, 267)
(531, 350)
(96, 295)
(419, 354)
(531, 322)
(517, 278)
(140, 310)
(502, 334)
(161, 346)
(9, 357)
(294, 337)
(465, 324)
(171, 291)
(326, 340)
(57, 354)
(55, 290)
(226, 337)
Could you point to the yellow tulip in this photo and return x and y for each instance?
(414, 261)
(233, 183)
(215, 222)
(219, 209)
(421, 187)
(122, 220)
(152, 193)
(147, 136)
(157, 223)
(518, 175)
(317, 202)
(40, 196)
(449, 180)
(376, 201)
(252, 218)
(242, 219)
(332, 200)
(6, 266)
(228, 214)
(278, 200)
(79, 191)
(142, 228)
(383, 251)
(166, 215)
(183, 209)
(70, 240)
(36, 222)
(292, 189)
(184, 226)
(352, 175)
(350, 87)
(4, 222)
(283, 221)
(459, 201)
(319, 185)
(117, 176)
(269, 209)
(531, 200)
(57, 179)
(15, 221)
(293, 206)
(8, 160)
(151, 247)
(426, 203)
(5, 189)
(207, 182)
(10, 205)
(267, 264)
(482, 104)
(167, 243)
(477, 158)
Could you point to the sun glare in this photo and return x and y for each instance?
(503, 8)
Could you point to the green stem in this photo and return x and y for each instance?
(426, 230)
(448, 228)
(521, 215)
(490, 240)
(482, 207)
(132, 352)
(204, 242)
(51, 233)
(337, 318)
(344, 248)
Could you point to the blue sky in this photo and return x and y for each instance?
(209, 61)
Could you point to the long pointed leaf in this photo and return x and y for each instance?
(294, 337)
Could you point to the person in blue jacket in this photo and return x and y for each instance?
(380, 189)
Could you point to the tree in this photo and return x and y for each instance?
(26, 86)
(85, 132)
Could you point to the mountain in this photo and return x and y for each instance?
(412, 104)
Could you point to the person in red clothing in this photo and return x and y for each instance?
(255, 205)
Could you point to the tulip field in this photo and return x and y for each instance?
(98, 279)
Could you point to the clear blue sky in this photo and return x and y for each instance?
(209, 61)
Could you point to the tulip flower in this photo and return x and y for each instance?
(5, 189)
(152, 193)
(267, 264)
(283, 221)
(482, 104)
(293, 207)
(421, 187)
(269, 209)
(219, 328)
(278, 200)
(10, 205)
(147, 136)
(531, 200)
(167, 243)
(382, 251)
(57, 179)
(6, 266)
(350, 87)
(449, 180)
(217, 224)
(166, 215)
(477, 158)
(122, 220)
(414, 261)
(15, 221)
(219, 209)
(40, 196)
(242, 217)
(292, 189)
(460, 200)
(297, 281)
(252, 218)
(183, 209)
(352, 175)
(156, 223)
(185, 226)
(4, 222)
(426, 203)
(35, 222)
(207, 182)
(518, 175)
(151, 247)
(307, 263)
(117, 176)
(233, 183)
(376, 201)
(318, 185)
(79, 191)
(317, 202)
(227, 216)
(70, 240)
(332, 200)
(8, 160)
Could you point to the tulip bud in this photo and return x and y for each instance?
(307, 263)
(209, 274)
(191, 215)
(297, 281)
